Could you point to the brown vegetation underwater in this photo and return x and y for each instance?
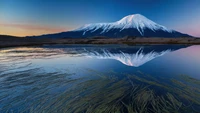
(132, 94)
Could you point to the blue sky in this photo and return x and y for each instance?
(34, 17)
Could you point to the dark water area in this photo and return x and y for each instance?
(100, 79)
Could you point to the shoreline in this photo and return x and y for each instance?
(21, 42)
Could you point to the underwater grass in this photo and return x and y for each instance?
(190, 79)
(131, 94)
(107, 93)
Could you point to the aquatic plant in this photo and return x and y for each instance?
(132, 94)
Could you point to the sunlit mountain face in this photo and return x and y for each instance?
(130, 56)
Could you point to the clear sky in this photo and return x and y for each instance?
(35, 17)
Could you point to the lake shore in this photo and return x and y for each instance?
(9, 41)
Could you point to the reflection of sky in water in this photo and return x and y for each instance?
(183, 61)
(155, 60)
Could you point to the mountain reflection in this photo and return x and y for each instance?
(136, 59)
(135, 56)
(128, 55)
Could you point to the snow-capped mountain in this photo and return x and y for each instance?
(136, 21)
(131, 25)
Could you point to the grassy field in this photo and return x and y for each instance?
(10, 41)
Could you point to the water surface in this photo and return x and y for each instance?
(100, 78)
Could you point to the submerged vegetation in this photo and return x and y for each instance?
(109, 93)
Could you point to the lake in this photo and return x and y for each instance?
(100, 79)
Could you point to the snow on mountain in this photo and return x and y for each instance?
(136, 21)
(132, 25)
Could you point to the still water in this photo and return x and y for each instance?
(100, 79)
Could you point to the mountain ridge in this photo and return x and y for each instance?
(132, 25)
(131, 21)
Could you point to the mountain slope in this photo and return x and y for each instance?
(131, 25)
(137, 21)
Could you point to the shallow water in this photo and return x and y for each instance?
(100, 78)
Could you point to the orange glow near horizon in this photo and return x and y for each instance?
(28, 30)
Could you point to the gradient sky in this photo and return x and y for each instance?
(35, 17)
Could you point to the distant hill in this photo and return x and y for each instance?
(7, 37)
